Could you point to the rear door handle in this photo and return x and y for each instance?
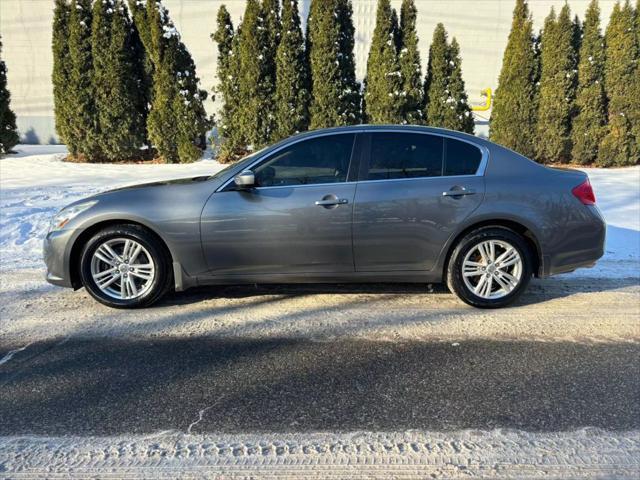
(458, 192)
(331, 202)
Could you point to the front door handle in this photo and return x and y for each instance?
(331, 202)
(458, 192)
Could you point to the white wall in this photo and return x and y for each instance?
(481, 27)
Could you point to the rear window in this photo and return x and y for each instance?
(405, 155)
(461, 158)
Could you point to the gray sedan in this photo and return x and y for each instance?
(352, 204)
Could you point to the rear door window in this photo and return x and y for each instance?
(396, 155)
(461, 158)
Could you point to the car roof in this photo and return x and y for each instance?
(407, 128)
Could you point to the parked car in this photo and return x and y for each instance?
(351, 204)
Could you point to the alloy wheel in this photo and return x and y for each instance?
(122, 268)
(492, 269)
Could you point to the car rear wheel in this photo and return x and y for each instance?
(490, 267)
(125, 267)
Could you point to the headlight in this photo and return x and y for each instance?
(66, 214)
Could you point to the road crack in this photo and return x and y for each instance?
(201, 414)
(11, 354)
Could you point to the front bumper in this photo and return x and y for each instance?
(56, 249)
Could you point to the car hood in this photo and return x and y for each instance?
(147, 188)
(162, 183)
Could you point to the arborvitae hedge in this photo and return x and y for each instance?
(350, 96)
(410, 66)
(272, 28)
(459, 116)
(141, 36)
(635, 110)
(513, 117)
(336, 94)
(557, 89)
(383, 85)
(61, 67)
(292, 72)
(588, 126)
(177, 122)
(8, 132)
(82, 134)
(437, 79)
(255, 85)
(118, 102)
(621, 73)
(226, 90)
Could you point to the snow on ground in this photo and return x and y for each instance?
(494, 454)
(617, 193)
(35, 183)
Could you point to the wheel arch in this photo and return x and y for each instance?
(87, 233)
(513, 225)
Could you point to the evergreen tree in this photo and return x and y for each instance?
(272, 25)
(292, 95)
(8, 131)
(336, 94)
(589, 124)
(322, 49)
(635, 111)
(61, 67)
(141, 36)
(619, 147)
(177, 121)
(395, 28)
(384, 80)
(350, 97)
(254, 84)
(118, 102)
(436, 85)
(557, 88)
(576, 39)
(459, 116)
(82, 134)
(143, 67)
(272, 29)
(227, 87)
(410, 66)
(513, 116)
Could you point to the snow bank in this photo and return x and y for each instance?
(35, 183)
(617, 193)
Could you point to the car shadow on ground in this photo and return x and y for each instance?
(539, 290)
(108, 386)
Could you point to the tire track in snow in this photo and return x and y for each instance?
(586, 453)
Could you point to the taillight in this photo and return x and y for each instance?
(584, 193)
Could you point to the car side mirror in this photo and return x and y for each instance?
(245, 179)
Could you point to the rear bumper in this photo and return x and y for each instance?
(55, 255)
(582, 246)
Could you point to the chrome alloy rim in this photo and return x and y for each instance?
(492, 269)
(122, 268)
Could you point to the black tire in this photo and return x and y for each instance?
(162, 279)
(454, 275)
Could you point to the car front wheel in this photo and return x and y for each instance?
(490, 267)
(125, 267)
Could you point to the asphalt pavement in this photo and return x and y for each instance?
(110, 386)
